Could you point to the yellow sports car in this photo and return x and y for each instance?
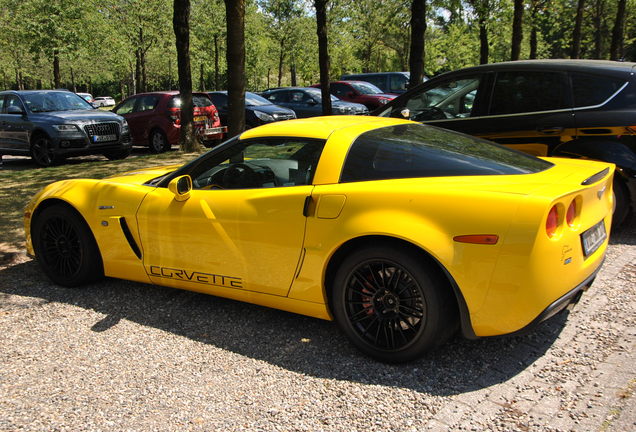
(401, 232)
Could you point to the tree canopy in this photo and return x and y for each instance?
(120, 47)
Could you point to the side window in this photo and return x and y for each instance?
(2, 111)
(298, 97)
(447, 100)
(13, 101)
(398, 82)
(528, 91)
(590, 90)
(147, 103)
(126, 107)
(376, 80)
(278, 97)
(260, 164)
(219, 100)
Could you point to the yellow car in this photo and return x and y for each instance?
(401, 232)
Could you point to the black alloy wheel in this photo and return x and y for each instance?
(65, 247)
(41, 151)
(158, 142)
(391, 305)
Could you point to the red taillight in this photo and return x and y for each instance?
(570, 216)
(175, 116)
(552, 223)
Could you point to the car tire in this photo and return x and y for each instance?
(158, 142)
(117, 154)
(392, 304)
(41, 151)
(621, 201)
(65, 247)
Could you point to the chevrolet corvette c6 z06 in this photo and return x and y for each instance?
(400, 232)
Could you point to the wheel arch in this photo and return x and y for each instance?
(50, 202)
(339, 255)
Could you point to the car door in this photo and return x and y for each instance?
(15, 126)
(530, 110)
(231, 234)
(127, 110)
(303, 104)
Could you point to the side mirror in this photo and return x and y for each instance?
(406, 113)
(181, 187)
(311, 102)
(14, 110)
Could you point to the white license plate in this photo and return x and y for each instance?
(593, 238)
(102, 138)
(211, 131)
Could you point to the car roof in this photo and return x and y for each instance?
(319, 127)
(555, 64)
(21, 92)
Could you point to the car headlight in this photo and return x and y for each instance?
(66, 128)
(124, 127)
(263, 116)
(343, 109)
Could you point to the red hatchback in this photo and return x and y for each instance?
(155, 119)
(360, 92)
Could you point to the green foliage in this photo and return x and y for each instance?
(100, 41)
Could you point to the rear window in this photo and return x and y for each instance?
(197, 100)
(409, 151)
(592, 90)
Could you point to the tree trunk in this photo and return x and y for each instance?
(235, 54)
(217, 85)
(517, 30)
(281, 58)
(181, 26)
(292, 69)
(56, 69)
(73, 81)
(323, 53)
(533, 29)
(576, 34)
(483, 41)
(598, 29)
(616, 47)
(201, 78)
(416, 52)
(138, 83)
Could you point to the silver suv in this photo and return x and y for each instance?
(50, 125)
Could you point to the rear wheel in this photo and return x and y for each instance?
(41, 151)
(158, 142)
(392, 305)
(621, 201)
(65, 247)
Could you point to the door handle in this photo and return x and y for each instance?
(307, 205)
(551, 130)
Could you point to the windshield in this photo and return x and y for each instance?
(38, 102)
(365, 88)
(252, 99)
(316, 94)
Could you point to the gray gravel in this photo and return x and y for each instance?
(125, 356)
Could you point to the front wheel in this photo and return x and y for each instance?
(65, 247)
(41, 151)
(392, 305)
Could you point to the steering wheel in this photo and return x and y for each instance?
(240, 175)
(430, 113)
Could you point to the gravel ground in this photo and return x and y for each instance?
(125, 356)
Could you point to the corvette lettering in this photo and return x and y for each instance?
(197, 277)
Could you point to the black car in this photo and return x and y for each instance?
(569, 108)
(50, 125)
(307, 102)
(258, 110)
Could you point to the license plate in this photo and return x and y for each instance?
(212, 131)
(593, 238)
(102, 138)
(200, 118)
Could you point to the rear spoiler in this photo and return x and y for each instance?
(596, 177)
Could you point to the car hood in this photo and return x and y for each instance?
(141, 176)
(84, 116)
(269, 109)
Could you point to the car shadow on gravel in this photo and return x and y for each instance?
(294, 342)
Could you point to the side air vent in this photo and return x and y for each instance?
(596, 177)
(129, 237)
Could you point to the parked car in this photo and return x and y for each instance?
(307, 102)
(401, 232)
(389, 82)
(50, 125)
(359, 92)
(572, 108)
(155, 119)
(258, 110)
(87, 97)
(103, 101)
